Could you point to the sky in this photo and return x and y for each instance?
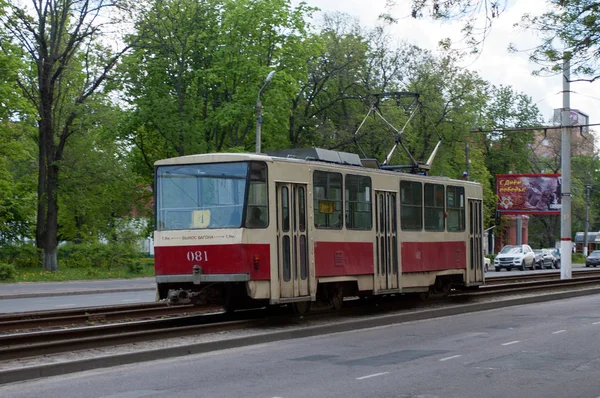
(495, 64)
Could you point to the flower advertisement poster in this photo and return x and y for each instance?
(528, 193)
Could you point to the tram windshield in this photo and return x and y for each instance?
(209, 196)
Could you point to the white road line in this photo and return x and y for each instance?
(559, 331)
(512, 342)
(373, 375)
(65, 305)
(133, 300)
(596, 323)
(452, 357)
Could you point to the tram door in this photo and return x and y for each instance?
(475, 269)
(386, 241)
(292, 240)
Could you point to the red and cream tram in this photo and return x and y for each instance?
(253, 229)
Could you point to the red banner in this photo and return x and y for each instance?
(528, 193)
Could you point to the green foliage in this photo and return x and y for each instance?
(577, 258)
(7, 272)
(570, 29)
(70, 274)
(20, 255)
(97, 255)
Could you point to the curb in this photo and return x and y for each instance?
(74, 293)
(34, 372)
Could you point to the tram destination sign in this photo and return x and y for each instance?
(528, 193)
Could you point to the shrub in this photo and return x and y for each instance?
(21, 255)
(7, 272)
(93, 255)
(578, 258)
(135, 266)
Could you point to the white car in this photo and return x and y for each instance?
(515, 256)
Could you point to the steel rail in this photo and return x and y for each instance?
(96, 315)
(25, 345)
(516, 278)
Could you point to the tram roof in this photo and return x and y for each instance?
(239, 157)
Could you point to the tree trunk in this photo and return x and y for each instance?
(51, 241)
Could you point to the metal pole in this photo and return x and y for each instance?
(467, 160)
(259, 110)
(587, 218)
(566, 244)
(258, 123)
(519, 230)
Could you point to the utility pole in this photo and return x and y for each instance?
(566, 244)
(467, 161)
(587, 216)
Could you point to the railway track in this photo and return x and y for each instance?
(517, 278)
(32, 344)
(94, 315)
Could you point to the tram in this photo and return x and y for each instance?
(305, 225)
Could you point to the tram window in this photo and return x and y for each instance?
(358, 202)
(411, 206)
(257, 211)
(301, 210)
(455, 203)
(285, 209)
(434, 207)
(327, 200)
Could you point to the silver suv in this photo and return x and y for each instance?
(515, 256)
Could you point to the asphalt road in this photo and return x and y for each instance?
(540, 350)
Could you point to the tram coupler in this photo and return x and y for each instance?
(180, 297)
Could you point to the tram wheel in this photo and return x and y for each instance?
(337, 297)
(301, 307)
(231, 299)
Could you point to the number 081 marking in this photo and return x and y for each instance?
(198, 255)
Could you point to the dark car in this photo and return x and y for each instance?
(547, 259)
(593, 260)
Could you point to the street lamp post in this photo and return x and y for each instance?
(259, 110)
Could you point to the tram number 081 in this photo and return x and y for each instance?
(197, 256)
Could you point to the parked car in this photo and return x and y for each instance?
(486, 264)
(556, 254)
(593, 260)
(544, 258)
(515, 256)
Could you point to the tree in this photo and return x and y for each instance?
(61, 39)
(571, 29)
(193, 77)
(17, 155)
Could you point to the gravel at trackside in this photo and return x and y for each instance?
(182, 341)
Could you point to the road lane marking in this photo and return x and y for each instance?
(452, 357)
(512, 342)
(373, 375)
(131, 300)
(559, 331)
(65, 305)
(596, 323)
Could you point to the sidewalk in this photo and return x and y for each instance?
(48, 289)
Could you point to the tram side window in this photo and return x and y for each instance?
(358, 202)
(434, 207)
(327, 200)
(411, 206)
(257, 211)
(455, 203)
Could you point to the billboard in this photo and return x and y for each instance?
(528, 193)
